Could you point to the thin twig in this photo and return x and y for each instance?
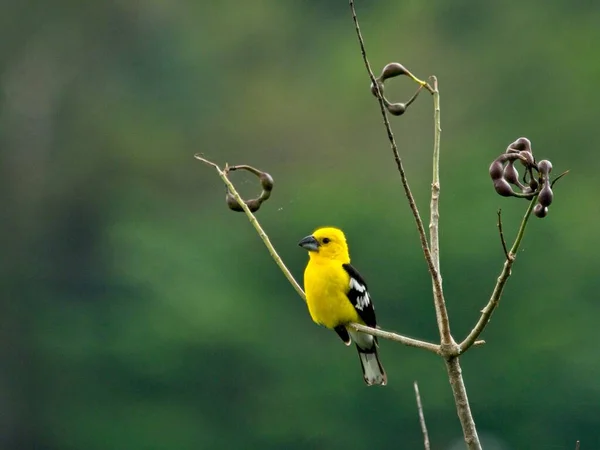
(486, 313)
(558, 178)
(422, 418)
(449, 347)
(502, 233)
(414, 97)
(411, 200)
(373, 331)
(396, 337)
(438, 294)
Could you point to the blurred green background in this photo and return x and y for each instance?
(138, 312)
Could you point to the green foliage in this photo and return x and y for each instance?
(139, 312)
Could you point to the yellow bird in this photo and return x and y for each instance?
(336, 295)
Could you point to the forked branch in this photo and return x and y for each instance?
(488, 310)
(448, 348)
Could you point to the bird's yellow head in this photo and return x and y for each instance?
(327, 243)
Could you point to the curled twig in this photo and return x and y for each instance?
(254, 204)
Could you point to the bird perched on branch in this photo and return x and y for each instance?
(337, 295)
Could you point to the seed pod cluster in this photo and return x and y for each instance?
(266, 183)
(535, 180)
(390, 71)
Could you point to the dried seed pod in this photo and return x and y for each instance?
(540, 210)
(527, 158)
(503, 188)
(496, 169)
(511, 174)
(254, 204)
(232, 203)
(264, 195)
(396, 109)
(545, 166)
(521, 144)
(533, 184)
(546, 195)
(380, 85)
(393, 70)
(528, 192)
(266, 181)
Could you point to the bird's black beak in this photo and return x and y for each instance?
(309, 243)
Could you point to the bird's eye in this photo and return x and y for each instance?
(326, 240)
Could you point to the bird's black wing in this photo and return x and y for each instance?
(358, 295)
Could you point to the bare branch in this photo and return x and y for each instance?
(411, 200)
(422, 418)
(449, 347)
(486, 313)
(461, 400)
(438, 294)
(502, 234)
(434, 348)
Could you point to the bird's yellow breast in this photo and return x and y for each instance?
(326, 284)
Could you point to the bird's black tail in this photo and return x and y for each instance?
(373, 371)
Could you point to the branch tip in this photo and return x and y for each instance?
(422, 417)
(199, 157)
(502, 234)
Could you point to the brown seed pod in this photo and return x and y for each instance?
(264, 195)
(380, 85)
(528, 192)
(233, 203)
(393, 70)
(266, 181)
(533, 184)
(503, 188)
(396, 109)
(545, 166)
(496, 169)
(527, 158)
(540, 211)
(511, 174)
(254, 204)
(546, 195)
(520, 145)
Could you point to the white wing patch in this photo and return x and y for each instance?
(362, 300)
